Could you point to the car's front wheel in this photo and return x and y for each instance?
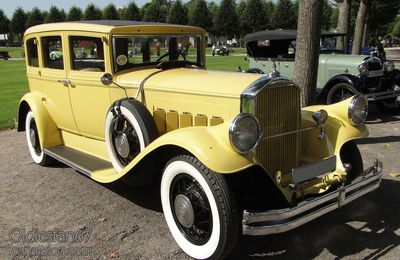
(199, 209)
(340, 92)
(32, 139)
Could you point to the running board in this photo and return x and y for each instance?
(80, 161)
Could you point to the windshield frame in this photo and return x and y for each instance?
(198, 37)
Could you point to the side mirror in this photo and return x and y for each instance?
(106, 79)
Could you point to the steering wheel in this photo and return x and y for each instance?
(166, 54)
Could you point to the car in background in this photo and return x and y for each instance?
(339, 75)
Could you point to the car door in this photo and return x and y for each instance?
(90, 99)
(55, 84)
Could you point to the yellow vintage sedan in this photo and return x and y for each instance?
(233, 153)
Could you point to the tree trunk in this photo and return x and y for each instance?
(359, 31)
(307, 48)
(365, 34)
(343, 24)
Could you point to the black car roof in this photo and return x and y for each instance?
(281, 35)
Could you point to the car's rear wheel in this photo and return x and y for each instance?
(391, 105)
(32, 138)
(340, 92)
(352, 160)
(129, 129)
(199, 209)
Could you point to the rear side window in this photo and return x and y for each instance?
(33, 59)
(87, 53)
(52, 51)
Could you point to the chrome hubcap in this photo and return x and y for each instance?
(122, 145)
(184, 211)
(32, 137)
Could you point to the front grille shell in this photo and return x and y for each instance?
(276, 103)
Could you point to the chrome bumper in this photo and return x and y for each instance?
(282, 220)
(383, 95)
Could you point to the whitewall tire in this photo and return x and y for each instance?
(199, 209)
(129, 128)
(32, 139)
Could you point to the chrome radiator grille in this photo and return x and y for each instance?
(277, 106)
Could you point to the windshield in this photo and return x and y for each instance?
(143, 51)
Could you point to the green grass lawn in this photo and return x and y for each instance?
(14, 85)
(14, 52)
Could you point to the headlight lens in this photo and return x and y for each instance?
(363, 68)
(358, 110)
(389, 66)
(245, 133)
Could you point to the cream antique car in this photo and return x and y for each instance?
(233, 153)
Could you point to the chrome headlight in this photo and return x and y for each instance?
(388, 65)
(358, 110)
(363, 68)
(245, 133)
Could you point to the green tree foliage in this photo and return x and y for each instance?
(34, 17)
(380, 13)
(92, 12)
(110, 12)
(334, 17)
(226, 20)
(74, 14)
(396, 30)
(269, 7)
(18, 22)
(131, 12)
(178, 13)
(4, 23)
(55, 15)
(327, 12)
(284, 15)
(200, 15)
(213, 7)
(155, 11)
(240, 9)
(254, 17)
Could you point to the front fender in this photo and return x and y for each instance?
(354, 81)
(338, 131)
(210, 145)
(49, 134)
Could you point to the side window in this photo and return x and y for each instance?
(33, 59)
(87, 53)
(52, 51)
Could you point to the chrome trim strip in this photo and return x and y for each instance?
(286, 219)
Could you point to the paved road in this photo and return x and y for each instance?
(128, 222)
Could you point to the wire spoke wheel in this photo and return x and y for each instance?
(191, 209)
(199, 208)
(340, 92)
(125, 140)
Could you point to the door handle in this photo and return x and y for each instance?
(64, 81)
(287, 65)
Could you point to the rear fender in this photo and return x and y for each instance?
(49, 134)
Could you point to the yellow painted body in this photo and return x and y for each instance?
(192, 107)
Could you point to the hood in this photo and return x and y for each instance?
(341, 63)
(194, 81)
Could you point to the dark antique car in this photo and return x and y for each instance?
(339, 75)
